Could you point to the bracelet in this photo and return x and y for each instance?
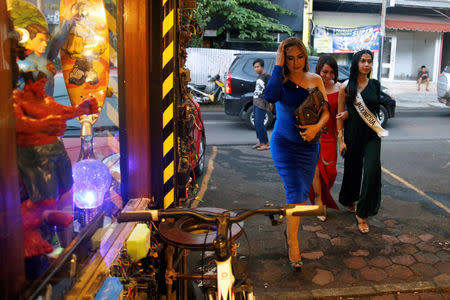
(339, 133)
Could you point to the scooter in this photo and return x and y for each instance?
(201, 95)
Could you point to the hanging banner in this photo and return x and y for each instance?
(346, 40)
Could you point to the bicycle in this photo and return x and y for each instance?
(188, 229)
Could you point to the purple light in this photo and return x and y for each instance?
(91, 181)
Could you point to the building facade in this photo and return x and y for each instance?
(416, 33)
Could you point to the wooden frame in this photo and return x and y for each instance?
(12, 272)
(139, 32)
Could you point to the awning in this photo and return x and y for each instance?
(416, 23)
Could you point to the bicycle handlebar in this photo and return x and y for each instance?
(156, 215)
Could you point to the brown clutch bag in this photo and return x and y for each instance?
(308, 113)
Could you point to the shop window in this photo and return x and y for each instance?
(71, 46)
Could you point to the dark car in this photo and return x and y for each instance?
(240, 85)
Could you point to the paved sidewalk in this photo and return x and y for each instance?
(405, 256)
(407, 95)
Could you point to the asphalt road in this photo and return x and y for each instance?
(408, 124)
(416, 152)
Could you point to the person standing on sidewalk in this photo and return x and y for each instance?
(326, 172)
(294, 157)
(362, 144)
(260, 105)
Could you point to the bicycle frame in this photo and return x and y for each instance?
(223, 221)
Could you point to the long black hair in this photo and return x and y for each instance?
(328, 60)
(352, 85)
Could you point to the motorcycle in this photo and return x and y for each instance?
(202, 94)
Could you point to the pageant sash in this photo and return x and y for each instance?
(368, 117)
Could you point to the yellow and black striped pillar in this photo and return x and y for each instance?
(168, 95)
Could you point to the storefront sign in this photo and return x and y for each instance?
(346, 40)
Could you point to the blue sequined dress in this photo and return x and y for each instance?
(294, 159)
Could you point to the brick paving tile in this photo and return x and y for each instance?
(425, 257)
(389, 238)
(312, 255)
(383, 297)
(444, 255)
(373, 274)
(443, 266)
(405, 259)
(360, 252)
(427, 247)
(424, 270)
(380, 262)
(387, 250)
(426, 237)
(408, 296)
(323, 277)
(445, 278)
(312, 228)
(431, 296)
(406, 249)
(341, 241)
(348, 276)
(390, 222)
(404, 238)
(396, 232)
(355, 262)
(323, 235)
(399, 272)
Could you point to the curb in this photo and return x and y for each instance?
(440, 286)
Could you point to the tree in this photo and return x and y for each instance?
(247, 18)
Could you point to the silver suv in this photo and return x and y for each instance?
(443, 86)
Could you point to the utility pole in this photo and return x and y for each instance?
(382, 34)
(307, 16)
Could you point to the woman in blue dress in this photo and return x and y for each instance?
(294, 158)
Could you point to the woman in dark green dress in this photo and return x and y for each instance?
(361, 145)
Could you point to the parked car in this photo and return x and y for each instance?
(241, 79)
(443, 86)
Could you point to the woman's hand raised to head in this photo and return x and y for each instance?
(279, 60)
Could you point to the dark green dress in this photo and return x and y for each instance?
(362, 158)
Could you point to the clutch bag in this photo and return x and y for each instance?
(309, 112)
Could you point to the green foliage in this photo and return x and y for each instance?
(246, 18)
(312, 51)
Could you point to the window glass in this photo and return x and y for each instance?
(67, 120)
(248, 67)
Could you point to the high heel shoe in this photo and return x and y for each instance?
(296, 266)
(362, 225)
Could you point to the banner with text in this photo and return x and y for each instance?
(346, 40)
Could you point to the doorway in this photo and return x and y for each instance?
(388, 57)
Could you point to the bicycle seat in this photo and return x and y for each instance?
(187, 233)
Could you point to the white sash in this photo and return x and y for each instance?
(368, 116)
